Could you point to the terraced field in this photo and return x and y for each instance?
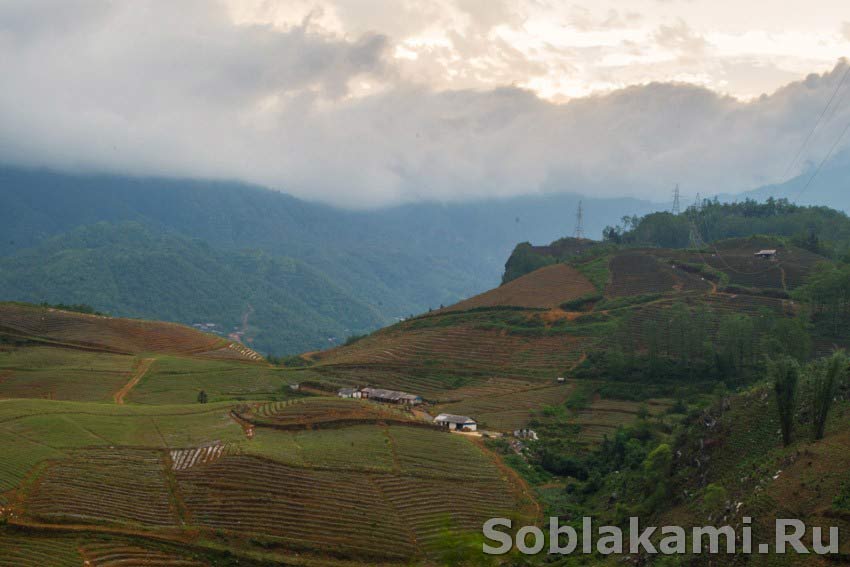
(430, 508)
(603, 417)
(512, 410)
(395, 516)
(19, 457)
(542, 289)
(425, 453)
(313, 412)
(736, 259)
(106, 334)
(119, 554)
(169, 469)
(639, 273)
(177, 380)
(24, 550)
(33, 432)
(62, 374)
(303, 508)
(459, 349)
(124, 486)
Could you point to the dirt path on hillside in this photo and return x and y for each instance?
(247, 427)
(143, 368)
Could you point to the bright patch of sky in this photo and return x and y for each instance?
(566, 49)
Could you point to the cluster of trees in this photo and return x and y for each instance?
(827, 296)
(524, 260)
(819, 229)
(691, 345)
(819, 380)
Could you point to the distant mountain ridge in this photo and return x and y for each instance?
(830, 186)
(215, 236)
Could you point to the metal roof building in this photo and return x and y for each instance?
(456, 422)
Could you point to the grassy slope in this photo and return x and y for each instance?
(743, 453)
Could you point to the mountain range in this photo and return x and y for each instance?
(288, 274)
(284, 274)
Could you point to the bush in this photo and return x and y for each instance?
(714, 499)
(354, 338)
(563, 465)
(291, 361)
(581, 303)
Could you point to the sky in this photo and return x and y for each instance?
(366, 103)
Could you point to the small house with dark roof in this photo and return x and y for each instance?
(391, 396)
(349, 393)
(767, 254)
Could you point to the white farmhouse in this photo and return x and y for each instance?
(456, 422)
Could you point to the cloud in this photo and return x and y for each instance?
(680, 38)
(845, 30)
(149, 87)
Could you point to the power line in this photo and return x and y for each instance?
(695, 237)
(817, 123)
(823, 161)
(698, 242)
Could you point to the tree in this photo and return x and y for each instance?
(735, 344)
(785, 375)
(789, 336)
(202, 397)
(824, 382)
(656, 468)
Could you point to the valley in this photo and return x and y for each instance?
(140, 442)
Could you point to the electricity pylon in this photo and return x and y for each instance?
(579, 232)
(676, 208)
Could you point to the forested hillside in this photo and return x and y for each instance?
(386, 264)
(130, 269)
(816, 228)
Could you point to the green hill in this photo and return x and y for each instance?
(130, 270)
(392, 262)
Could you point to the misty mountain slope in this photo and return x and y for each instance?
(830, 187)
(130, 270)
(395, 261)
